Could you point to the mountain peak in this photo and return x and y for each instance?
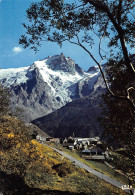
(62, 63)
(47, 85)
(93, 70)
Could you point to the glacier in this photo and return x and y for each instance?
(48, 84)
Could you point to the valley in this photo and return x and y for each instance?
(67, 97)
(55, 98)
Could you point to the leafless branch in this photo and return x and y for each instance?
(104, 33)
(129, 96)
(100, 46)
(119, 12)
(102, 74)
(100, 5)
(100, 43)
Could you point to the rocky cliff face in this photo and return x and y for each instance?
(48, 84)
(61, 63)
(33, 96)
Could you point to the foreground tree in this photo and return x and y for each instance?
(119, 121)
(80, 22)
(77, 22)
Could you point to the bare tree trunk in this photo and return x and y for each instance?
(101, 6)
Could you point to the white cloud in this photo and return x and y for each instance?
(0, 0)
(17, 50)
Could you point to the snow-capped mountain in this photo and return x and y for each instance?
(48, 84)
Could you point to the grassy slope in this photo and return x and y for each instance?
(33, 128)
(25, 162)
(99, 166)
(76, 179)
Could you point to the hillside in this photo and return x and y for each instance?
(79, 117)
(27, 167)
(33, 129)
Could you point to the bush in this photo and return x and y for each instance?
(64, 169)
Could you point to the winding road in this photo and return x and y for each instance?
(89, 169)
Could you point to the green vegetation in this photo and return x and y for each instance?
(128, 167)
(26, 165)
(4, 101)
(99, 166)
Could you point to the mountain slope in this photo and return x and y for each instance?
(79, 117)
(47, 85)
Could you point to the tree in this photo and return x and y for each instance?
(118, 119)
(77, 21)
(5, 107)
(22, 164)
(80, 22)
(119, 122)
(4, 101)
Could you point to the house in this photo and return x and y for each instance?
(55, 140)
(97, 138)
(68, 145)
(71, 147)
(93, 154)
(89, 141)
(80, 145)
(83, 139)
(48, 139)
(77, 146)
(65, 140)
(83, 144)
(100, 145)
(40, 139)
(93, 141)
(70, 140)
(92, 151)
(86, 152)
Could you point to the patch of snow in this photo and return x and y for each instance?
(62, 84)
(58, 81)
(13, 75)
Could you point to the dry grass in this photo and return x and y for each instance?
(41, 167)
(73, 179)
(99, 166)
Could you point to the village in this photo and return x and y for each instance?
(89, 148)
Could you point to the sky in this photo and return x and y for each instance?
(12, 55)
